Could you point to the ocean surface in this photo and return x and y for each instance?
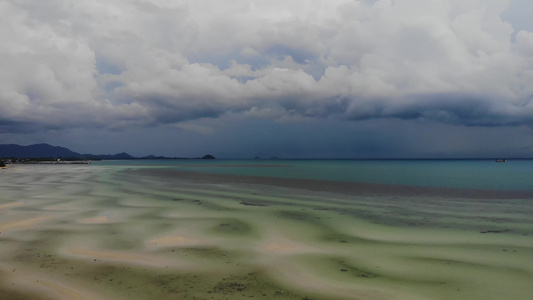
(471, 174)
(268, 229)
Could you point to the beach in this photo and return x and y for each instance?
(145, 232)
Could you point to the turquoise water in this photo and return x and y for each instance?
(474, 174)
(114, 230)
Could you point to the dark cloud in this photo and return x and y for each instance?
(456, 109)
(147, 65)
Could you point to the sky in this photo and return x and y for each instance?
(247, 78)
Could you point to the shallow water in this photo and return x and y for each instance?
(472, 174)
(132, 232)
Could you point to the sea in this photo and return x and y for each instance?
(278, 229)
(485, 174)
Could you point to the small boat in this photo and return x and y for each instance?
(501, 160)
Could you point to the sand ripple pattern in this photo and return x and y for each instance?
(118, 232)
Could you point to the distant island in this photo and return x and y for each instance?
(46, 152)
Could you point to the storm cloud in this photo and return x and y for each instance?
(136, 64)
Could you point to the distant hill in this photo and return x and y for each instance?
(121, 155)
(49, 151)
(54, 152)
(36, 151)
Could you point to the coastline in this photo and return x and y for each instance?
(341, 187)
(105, 232)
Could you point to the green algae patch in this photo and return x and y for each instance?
(339, 268)
(253, 285)
(341, 239)
(299, 216)
(209, 255)
(138, 283)
(233, 227)
(9, 290)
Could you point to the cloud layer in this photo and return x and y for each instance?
(117, 64)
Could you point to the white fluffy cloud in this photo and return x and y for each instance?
(121, 63)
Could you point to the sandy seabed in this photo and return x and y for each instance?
(123, 232)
